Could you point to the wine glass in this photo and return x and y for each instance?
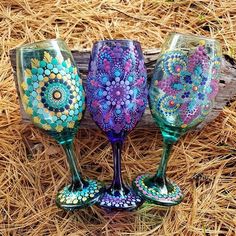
(182, 91)
(53, 97)
(116, 98)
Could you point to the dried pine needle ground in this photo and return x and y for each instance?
(33, 167)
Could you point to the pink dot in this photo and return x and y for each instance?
(117, 93)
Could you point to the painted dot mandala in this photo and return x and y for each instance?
(53, 93)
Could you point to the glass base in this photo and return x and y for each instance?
(123, 200)
(153, 193)
(74, 200)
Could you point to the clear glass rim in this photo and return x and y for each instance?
(30, 45)
(116, 40)
(194, 36)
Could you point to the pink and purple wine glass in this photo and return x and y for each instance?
(116, 99)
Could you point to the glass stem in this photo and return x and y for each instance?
(77, 182)
(160, 176)
(117, 183)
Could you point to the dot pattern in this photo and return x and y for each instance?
(116, 87)
(76, 198)
(53, 93)
(153, 194)
(184, 86)
(131, 200)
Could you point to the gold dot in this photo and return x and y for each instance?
(45, 79)
(62, 199)
(195, 88)
(56, 95)
(52, 76)
(59, 114)
(59, 76)
(202, 42)
(91, 195)
(184, 125)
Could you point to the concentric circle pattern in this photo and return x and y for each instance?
(116, 87)
(53, 93)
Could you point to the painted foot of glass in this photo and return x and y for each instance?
(166, 195)
(125, 199)
(72, 199)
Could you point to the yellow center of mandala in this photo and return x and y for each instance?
(56, 95)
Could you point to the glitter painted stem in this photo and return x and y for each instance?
(77, 182)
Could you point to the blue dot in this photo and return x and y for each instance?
(49, 66)
(36, 85)
(35, 78)
(47, 72)
(59, 67)
(118, 111)
(40, 77)
(117, 73)
(55, 70)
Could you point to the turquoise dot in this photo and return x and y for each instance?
(28, 81)
(75, 118)
(59, 122)
(100, 93)
(64, 64)
(76, 106)
(54, 61)
(40, 77)
(34, 71)
(104, 79)
(40, 111)
(71, 112)
(72, 76)
(40, 71)
(54, 118)
(78, 97)
(64, 124)
(35, 78)
(49, 66)
(118, 111)
(77, 89)
(35, 103)
(47, 72)
(69, 118)
(36, 85)
(71, 69)
(53, 125)
(55, 70)
(43, 63)
(67, 71)
(59, 67)
(117, 73)
(76, 77)
(62, 72)
(76, 112)
(63, 117)
(34, 94)
(80, 103)
(130, 78)
(42, 121)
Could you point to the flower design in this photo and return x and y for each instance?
(116, 88)
(188, 86)
(53, 93)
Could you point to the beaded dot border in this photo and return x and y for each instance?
(154, 195)
(128, 201)
(65, 196)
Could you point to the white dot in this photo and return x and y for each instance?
(113, 82)
(127, 82)
(122, 82)
(117, 79)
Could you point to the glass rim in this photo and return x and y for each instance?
(194, 36)
(29, 45)
(116, 40)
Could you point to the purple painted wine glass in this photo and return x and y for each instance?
(116, 98)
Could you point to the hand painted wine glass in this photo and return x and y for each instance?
(53, 97)
(183, 88)
(116, 98)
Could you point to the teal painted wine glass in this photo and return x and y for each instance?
(182, 92)
(53, 97)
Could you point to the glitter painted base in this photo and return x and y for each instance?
(73, 200)
(152, 193)
(120, 200)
